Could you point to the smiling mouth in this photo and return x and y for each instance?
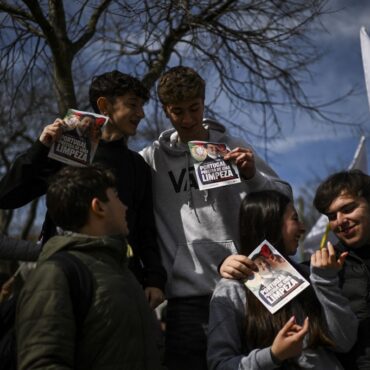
(345, 229)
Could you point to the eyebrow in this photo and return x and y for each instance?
(350, 204)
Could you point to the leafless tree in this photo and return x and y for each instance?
(254, 54)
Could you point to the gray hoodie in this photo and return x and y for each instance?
(197, 229)
(228, 347)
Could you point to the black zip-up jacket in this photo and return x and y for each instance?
(27, 180)
(354, 281)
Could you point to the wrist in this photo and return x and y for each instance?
(275, 360)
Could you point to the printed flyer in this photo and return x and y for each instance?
(211, 169)
(82, 132)
(277, 281)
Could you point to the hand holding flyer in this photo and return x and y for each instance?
(277, 281)
(211, 169)
(80, 138)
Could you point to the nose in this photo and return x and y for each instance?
(341, 218)
(140, 112)
(186, 118)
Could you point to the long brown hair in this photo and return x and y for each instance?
(261, 217)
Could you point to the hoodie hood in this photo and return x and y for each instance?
(170, 143)
(115, 245)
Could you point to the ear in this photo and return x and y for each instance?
(97, 207)
(104, 105)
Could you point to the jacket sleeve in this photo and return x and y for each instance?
(27, 178)
(144, 240)
(342, 322)
(45, 326)
(225, 349)
(362, 347)
(18, 250)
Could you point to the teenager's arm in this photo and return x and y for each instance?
(342, 322)
(226, 350)
(27, 178)
(144, 240)
(18, 250)
(257, 174)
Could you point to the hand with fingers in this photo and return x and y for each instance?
(326, 258)
(155, 296)
(52, 133)
(238, 267)
(7, 289)
(244, 159)
(288, 342)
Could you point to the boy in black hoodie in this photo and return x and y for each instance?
(121, 97)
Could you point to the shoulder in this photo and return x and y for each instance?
(229, 290)
(137, 158)
(38, 287)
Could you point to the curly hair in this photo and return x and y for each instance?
(113, 84)
(180, 84)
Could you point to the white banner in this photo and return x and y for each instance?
(365, 50)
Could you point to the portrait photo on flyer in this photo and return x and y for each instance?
(277, 281)
(80, 138)
(211, 169)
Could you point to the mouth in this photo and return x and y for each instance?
(345, 229)
(189, 127)
(135, 123)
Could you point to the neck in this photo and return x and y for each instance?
(201, 135)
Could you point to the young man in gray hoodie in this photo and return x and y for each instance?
(196, 229)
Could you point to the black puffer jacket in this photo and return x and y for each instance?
(355, 284)
(118, 331)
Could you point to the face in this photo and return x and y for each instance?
(349, 218)
(292, 230)
(85, 124)
(126, 113)
(187, 118)
(263, 266)
(212, 150)
(115, 214)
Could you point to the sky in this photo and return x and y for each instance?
(312, 150)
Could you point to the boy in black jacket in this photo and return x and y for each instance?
(345, 198)
(121, 97)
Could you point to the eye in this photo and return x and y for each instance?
(349, 208)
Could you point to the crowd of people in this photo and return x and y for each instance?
(147, 234)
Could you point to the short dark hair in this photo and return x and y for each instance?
(261, 217)
(114, 84)
(71, 191)
(180, 84)
(353, 182)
